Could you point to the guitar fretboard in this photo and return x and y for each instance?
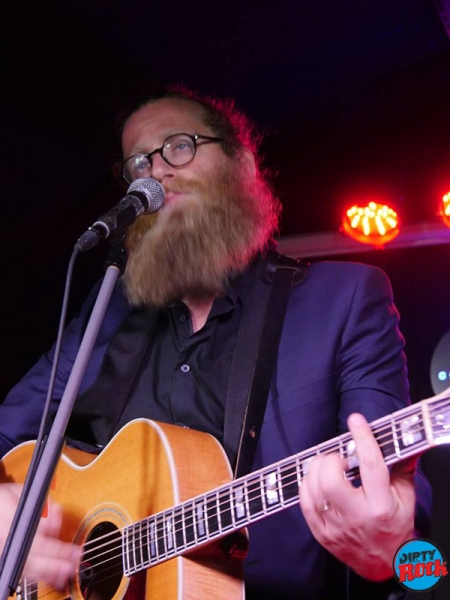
(230, 507)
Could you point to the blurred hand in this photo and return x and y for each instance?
(50, 559)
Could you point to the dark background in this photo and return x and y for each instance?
(353, 99)
(352, 96)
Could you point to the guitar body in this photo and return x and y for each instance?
(146, 468)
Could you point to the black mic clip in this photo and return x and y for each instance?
(118, 253)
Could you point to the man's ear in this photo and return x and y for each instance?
(248, 162)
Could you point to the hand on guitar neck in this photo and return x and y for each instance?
(50, 559)
(361, 526)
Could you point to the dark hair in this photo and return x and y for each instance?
(221, 116)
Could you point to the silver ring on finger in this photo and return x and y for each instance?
(324, 507)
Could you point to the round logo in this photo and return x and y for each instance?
(419, 565)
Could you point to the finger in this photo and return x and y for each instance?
(53, 548)
(340, 493)
(309, 491)
(317, 498)
(50, 525)
(402, 482)
(373, 470)
(53, 561)
(55, 571)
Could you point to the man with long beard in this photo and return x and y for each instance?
(176, 317)
(219, 211)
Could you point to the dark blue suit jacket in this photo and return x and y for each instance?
(340, 352)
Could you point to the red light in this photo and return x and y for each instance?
(445, 209)
(374, 224)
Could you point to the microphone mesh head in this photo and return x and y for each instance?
(152, 190)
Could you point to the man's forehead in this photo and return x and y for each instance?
(157, 120)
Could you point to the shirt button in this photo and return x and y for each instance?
(183, 318)
(185, 368)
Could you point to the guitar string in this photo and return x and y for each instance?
(327, 448)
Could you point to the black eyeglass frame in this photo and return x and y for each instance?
(195, 138)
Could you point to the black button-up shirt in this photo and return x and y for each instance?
(183, 378)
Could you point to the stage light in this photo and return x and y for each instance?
(445, 209)
(374, 224)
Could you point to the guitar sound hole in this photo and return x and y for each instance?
(101, 571)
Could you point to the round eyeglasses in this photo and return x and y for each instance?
(178, 150)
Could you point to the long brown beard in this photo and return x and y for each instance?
(192, 247)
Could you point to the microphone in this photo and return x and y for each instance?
(144, 196)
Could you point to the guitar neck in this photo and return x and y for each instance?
(221, 511)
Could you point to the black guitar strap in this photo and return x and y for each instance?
(254, 357)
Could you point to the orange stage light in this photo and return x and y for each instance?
(445, 209)
(374, 224)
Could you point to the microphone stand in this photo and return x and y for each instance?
(17, 551)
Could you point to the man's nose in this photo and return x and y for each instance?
(161, 169)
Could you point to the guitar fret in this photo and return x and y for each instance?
(395, 438)
(289, 482)
(138, 546)
(280, 486)
(178, 529)
(189, 527)
(232, 507)
(261, 491)
(185, 532)
(144, 544)
(411, 432)
(225, 509)
(126, 566)
(132, 549)
(246, 492)
(205, 512)
(153, 544)
(298, 471)
(304, 465)
(169, 532)
(200, 519)
(255, 503)
(194, 523)
(270, 490)
(239, 502)
(212, 516)
(352, 457)
(386, 442)
(438, 422)
(218, 513)
(161, 542)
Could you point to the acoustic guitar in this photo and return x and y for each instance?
(158, 507)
